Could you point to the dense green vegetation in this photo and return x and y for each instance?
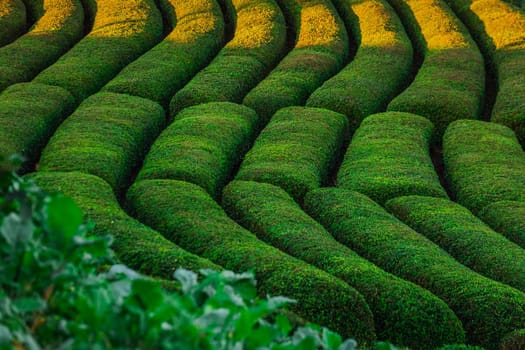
(13, 20)
(508, 218)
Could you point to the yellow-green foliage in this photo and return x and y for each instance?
(121, 32)
(380, 68)
(455, 229)
(404, 313)
(203, 145)
(484, 163)
(507, 218)
(297, 150)
(29, 114)
(500, 30)
(488, 309)
(389, 157)
(136, 245)
(12, 20)
(451, 80)
(321, 49)
(257, 45)
(188, 216)
(163, 70)
(59, 25)
(107, 136)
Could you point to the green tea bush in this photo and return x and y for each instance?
(320, 51)
(484, 164)
(187, 215)
(203, 145)
(107, 136)
(450, 83)
(257, 45)
(59, 25)
(162, 71)
(12, 20)
(121, 32)
(389, 157)
(464, 236)
(29, 115)
(488, 309)
(514, 340)
(380, 68)
(404, 313)
(507, 218)
(297, 150)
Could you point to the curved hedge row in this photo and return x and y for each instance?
(484, 163)
(121, 32)
(381, 66)
(471, 242)
(29, 114)
(297, 150)
(136, 245)
(507, 218)
(56, 29)
(203, 145)
(389, 157)
(321, 50)
(188, 216)
(107, 136)
(257, 45)
(162, 71)
(12, 20)
(488, 309)
(500, 30)
(404, 313)
(450, 83)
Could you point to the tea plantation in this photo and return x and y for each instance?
(363, 157)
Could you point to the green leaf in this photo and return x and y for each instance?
(28, 305)
(148, 292)
(5, 335)
(187, 279)
(15, 230)
(64, 217)
(331, 339)
(283, 324)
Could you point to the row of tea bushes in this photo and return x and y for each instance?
(107, 136)
(381, 66)
(500, 31)
(159, 73)
(507, 218)
(297, 150)
(187, 215)
(136, 245)
(450, 83)
(203, 145)
(389, 157)
(320, 51)
(257, 45)
(488, 309)
(56, 29)
(13, 20)
(404, 313)
(464, 236)
(121, 32)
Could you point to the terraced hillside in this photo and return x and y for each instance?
(364, 157)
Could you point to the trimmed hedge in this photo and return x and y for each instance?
(450, 83)
(202, 146)
(297, 150)
(514, 341)
(257, 45)
(107, 136)
(507, 218)
(500, 31)
(188, 216)
(29, 114)
(321, 50)
(12, 20)
(404, 313)
(484, 163)
(381, 66)
(162, 71)
(59, 25)
(488, 309)
(389, 157)
(464, 236)
(136, 245)
(121, 32)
